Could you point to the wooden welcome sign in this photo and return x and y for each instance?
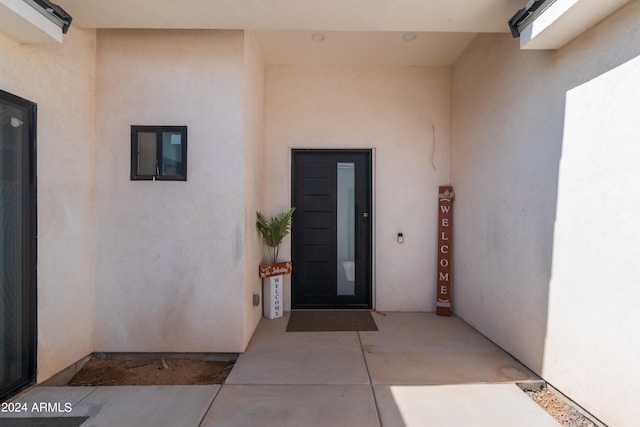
(278, 269)
(445, 234)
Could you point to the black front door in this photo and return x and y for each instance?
(331, 231)
(17, 244)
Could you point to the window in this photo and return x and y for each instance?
(159, 153)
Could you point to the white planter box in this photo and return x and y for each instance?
(272, 296)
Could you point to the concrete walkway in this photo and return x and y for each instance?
(417, 370)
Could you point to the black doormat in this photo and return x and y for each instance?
(330, 321)
(43, 422)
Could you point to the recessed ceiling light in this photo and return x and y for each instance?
(317, 37)
(409, 37)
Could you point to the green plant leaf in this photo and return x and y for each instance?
(274, 230)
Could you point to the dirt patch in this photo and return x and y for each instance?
(113, 372)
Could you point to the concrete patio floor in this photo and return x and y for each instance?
(417, 370)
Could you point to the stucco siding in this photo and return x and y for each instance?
(253, 152)
(170, 254)
(60, 78)
(402, 114)
(544, 161)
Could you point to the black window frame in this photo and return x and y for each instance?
(159, 131)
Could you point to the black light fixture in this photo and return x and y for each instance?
(522, 17)
(53, 12)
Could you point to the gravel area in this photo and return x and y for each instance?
(558, 408)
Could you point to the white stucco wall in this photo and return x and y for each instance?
(253, 116)
(545, 166)
(506, 133)
(170, 255)
(390, 110)
(60, 78)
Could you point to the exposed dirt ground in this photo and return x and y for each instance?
(111, 372)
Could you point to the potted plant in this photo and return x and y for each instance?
(273, 231)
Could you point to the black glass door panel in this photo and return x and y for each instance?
(17, 244)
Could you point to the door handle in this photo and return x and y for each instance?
(358, 238)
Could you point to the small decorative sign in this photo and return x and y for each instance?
(272, 292)
(278, 269)
(272, 297)
(445, 234)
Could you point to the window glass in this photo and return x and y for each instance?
(147, 148)
(171, 153)
(346, 237)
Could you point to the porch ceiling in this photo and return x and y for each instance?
(365, 32)
(329, 15)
